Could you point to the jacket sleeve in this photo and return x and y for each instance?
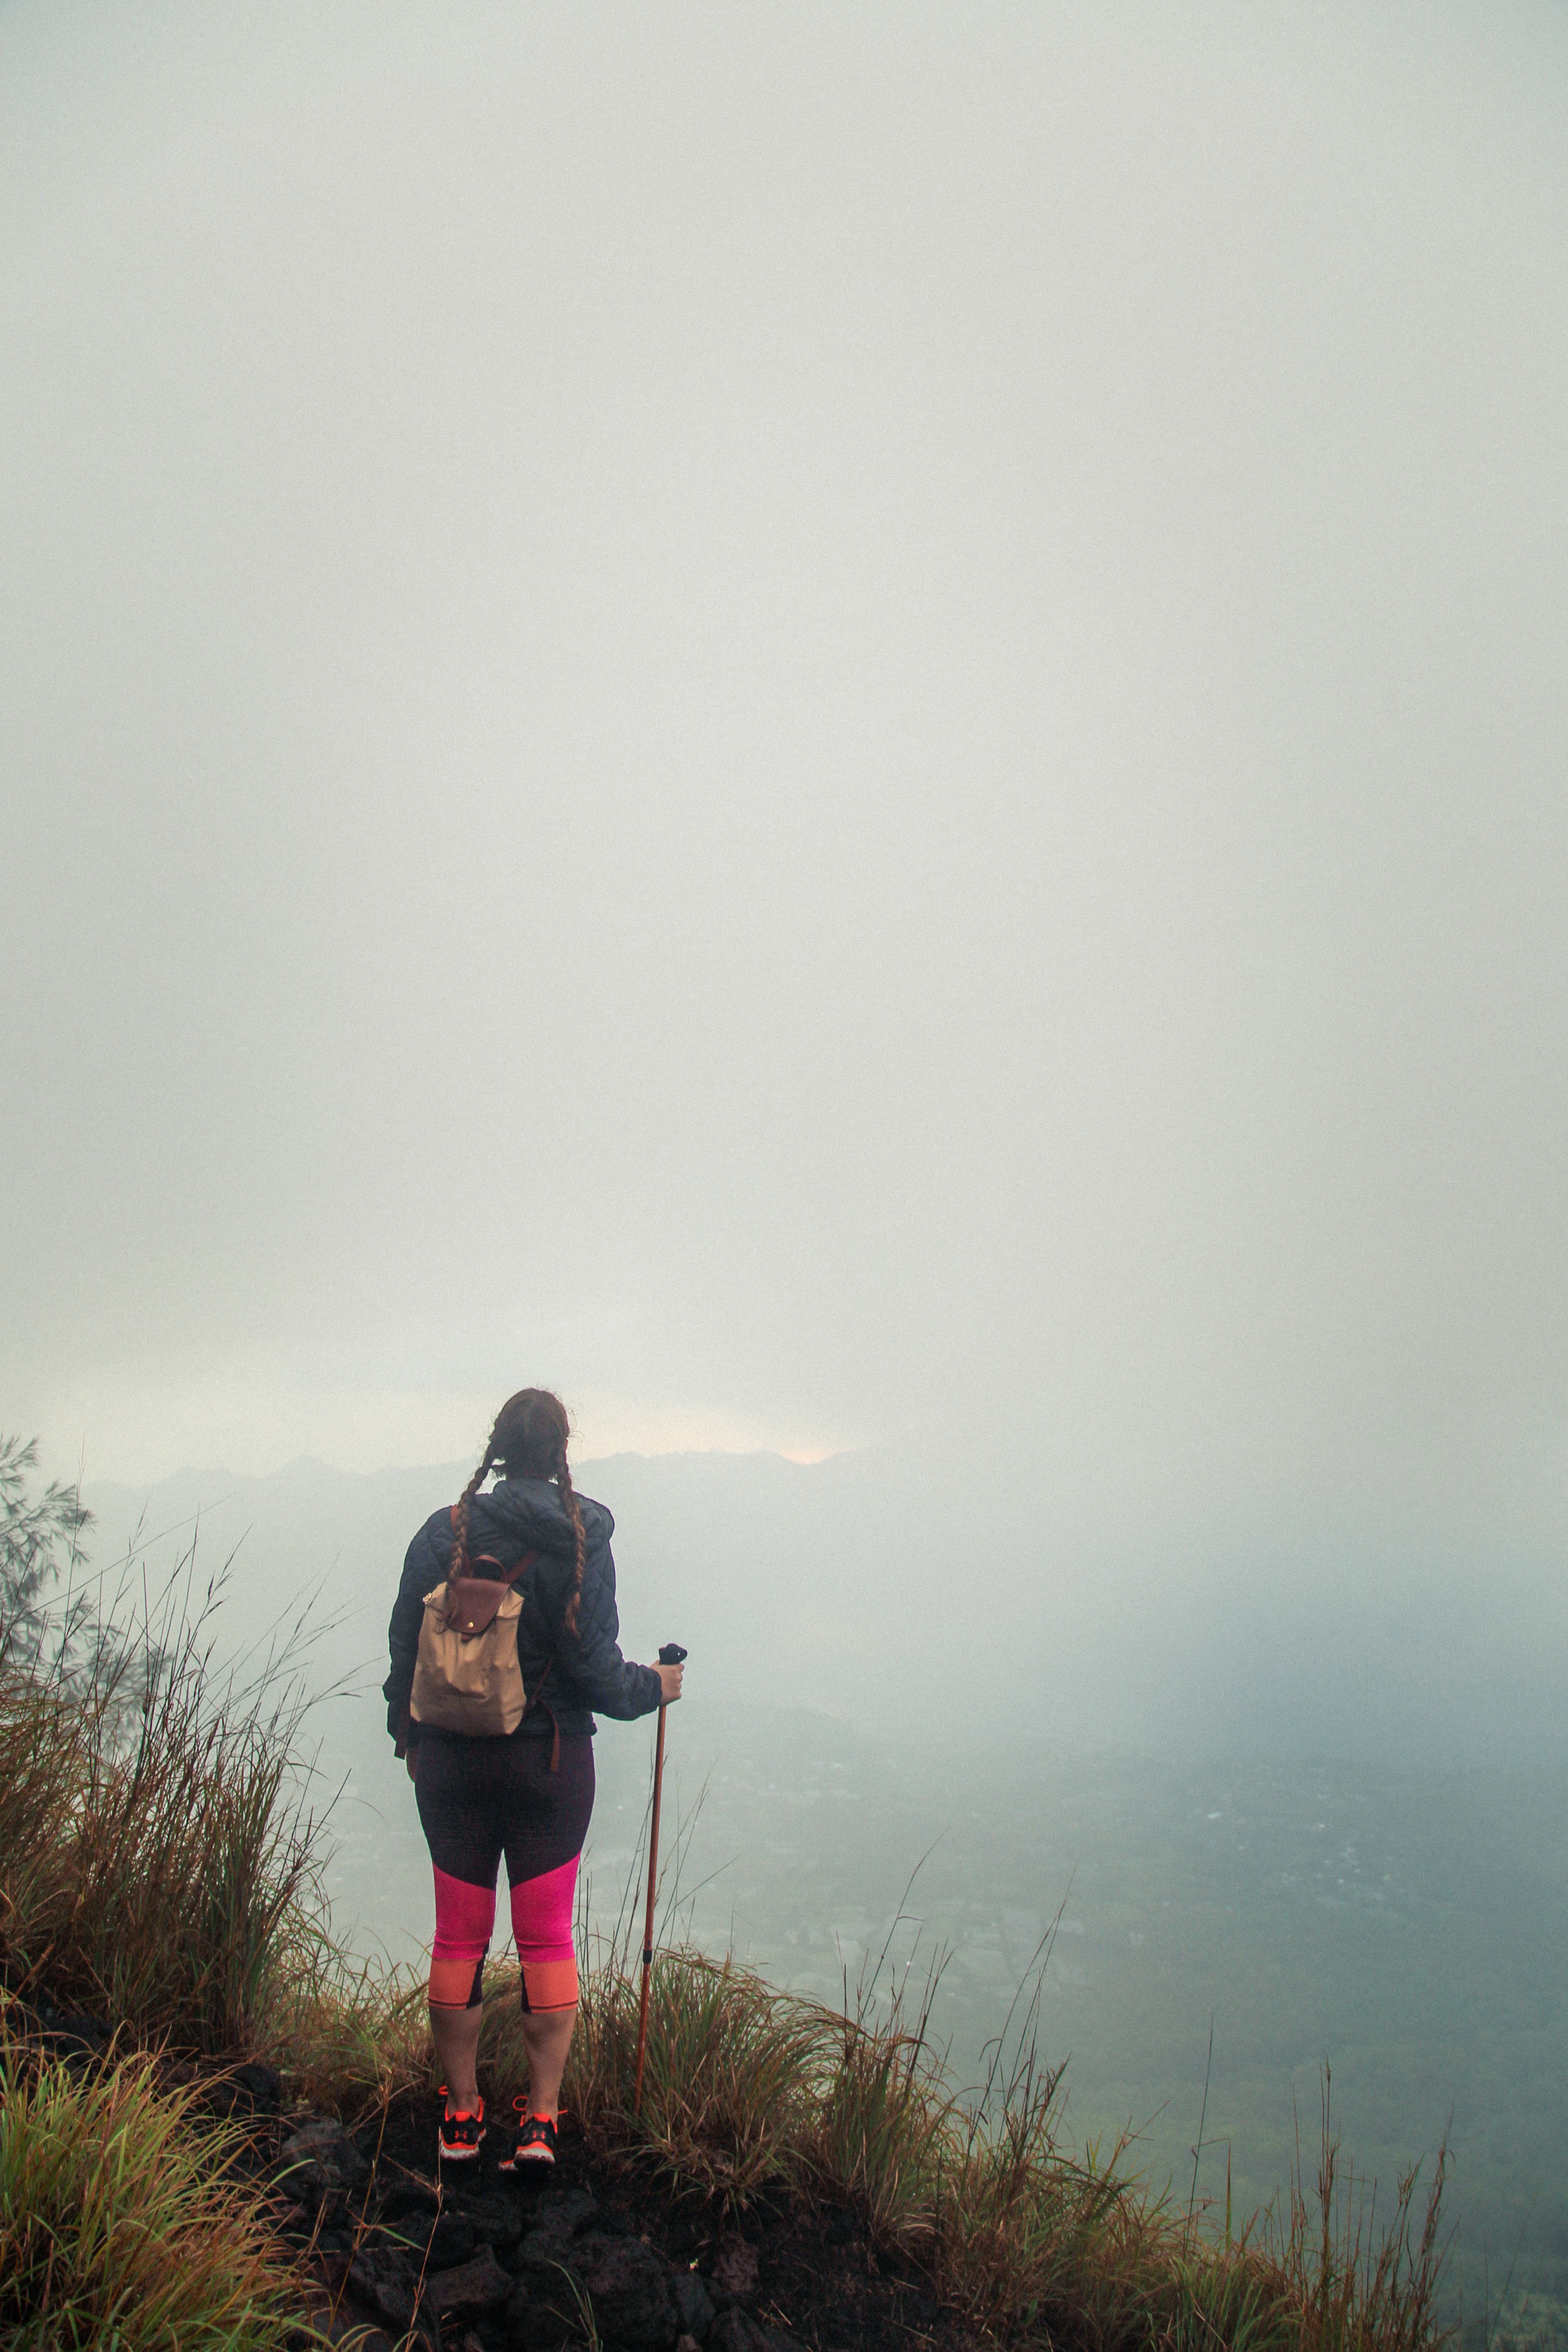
(591, 1656)
(422, 1568)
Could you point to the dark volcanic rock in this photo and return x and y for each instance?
(250, 2090)
(736, 2268)
(474, 2286)
(631, 2290)
(262, 2085)
(565, 2210)
(817, 2278)
(918, 2309)
(737, 2331)
(321, 2164)
(544, 2313)
(410, 2198)
(450, 2240)
(539, 2250)
(536, 2327)
(383, 2277)
(495, 2218)
(338, 2316)
(693, 2305)
(615, 2222)
(73, 2030)
(548, 2223)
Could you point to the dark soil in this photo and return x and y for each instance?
(817, 2280)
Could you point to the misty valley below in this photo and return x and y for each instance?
(1401, 1922)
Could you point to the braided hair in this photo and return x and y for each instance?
(529, 1440)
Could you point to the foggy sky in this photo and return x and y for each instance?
(837, 725)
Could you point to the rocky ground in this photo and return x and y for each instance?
(580, 2255)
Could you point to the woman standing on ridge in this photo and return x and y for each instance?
(527, 1790)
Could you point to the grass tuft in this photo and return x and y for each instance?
(733, 2077)
(161, 1860)
(125, 2219)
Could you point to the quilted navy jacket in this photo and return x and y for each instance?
(518, 1516)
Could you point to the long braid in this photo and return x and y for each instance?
(563, 1487)
(460, 1517)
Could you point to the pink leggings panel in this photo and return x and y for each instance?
(465, 1916)
(542, 1921)
(541, 1911)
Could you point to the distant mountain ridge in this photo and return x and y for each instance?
(882, 1586)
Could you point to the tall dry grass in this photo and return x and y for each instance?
(162, 1855)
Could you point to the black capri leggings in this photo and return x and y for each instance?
(480, 1799)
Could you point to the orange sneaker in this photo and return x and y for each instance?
(461, 2136)
(536, 2143)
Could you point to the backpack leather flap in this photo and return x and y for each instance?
(473, 1601)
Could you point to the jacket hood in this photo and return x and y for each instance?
(532, 1510)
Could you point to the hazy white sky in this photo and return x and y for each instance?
(818, 720)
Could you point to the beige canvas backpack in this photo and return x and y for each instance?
(467, 1677)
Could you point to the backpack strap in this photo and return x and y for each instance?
(549, 1711)
(473, 1601)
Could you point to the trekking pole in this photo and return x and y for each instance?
(670, 1655)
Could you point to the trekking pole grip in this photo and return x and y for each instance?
(672, 1655)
